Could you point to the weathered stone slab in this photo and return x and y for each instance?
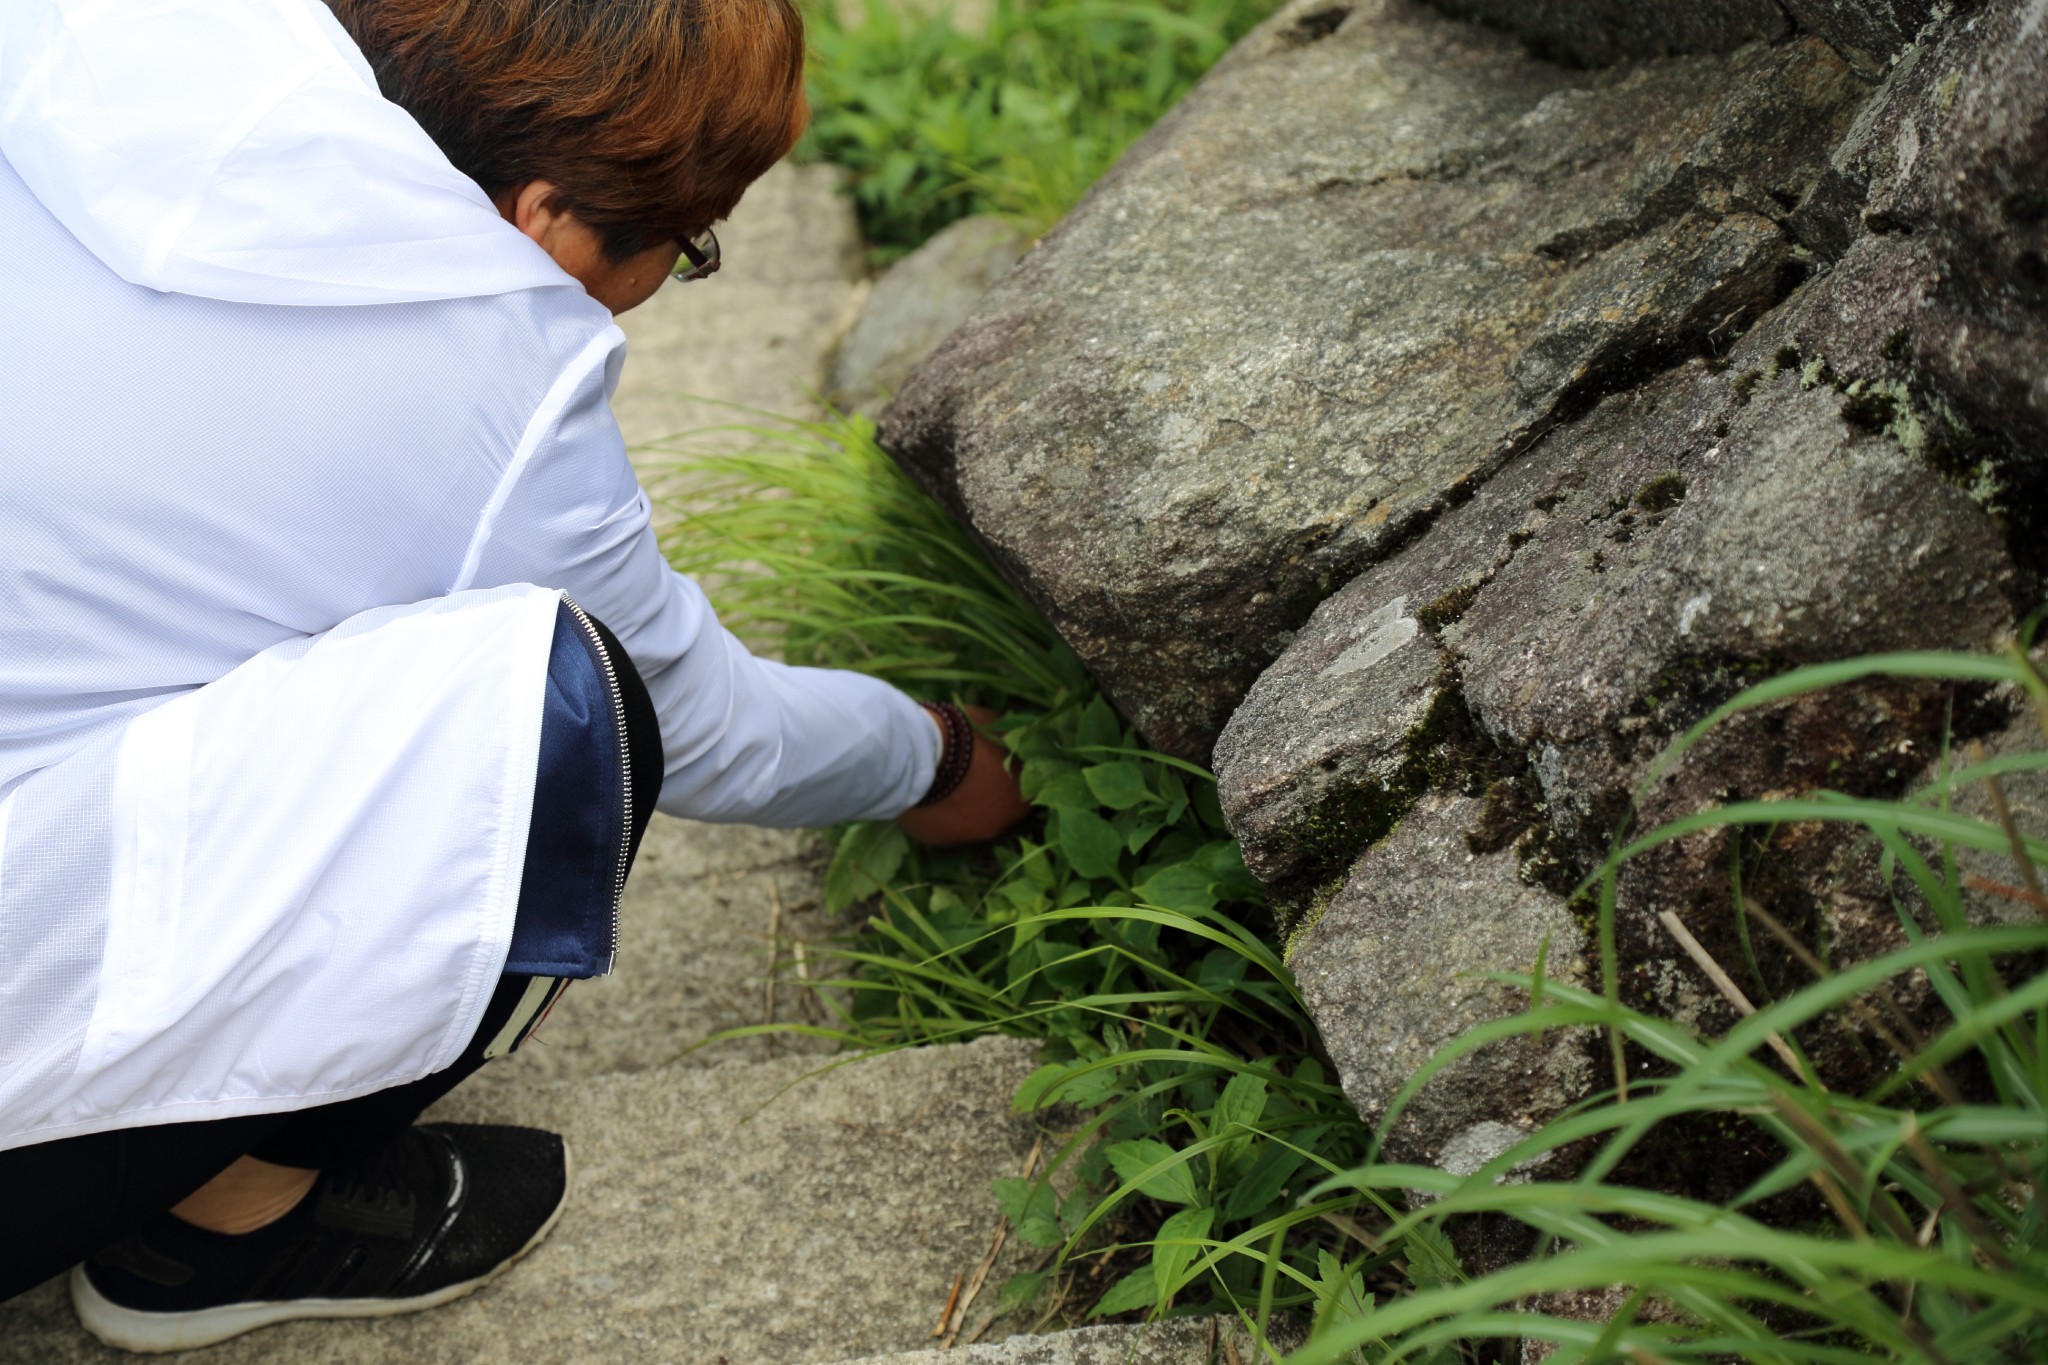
(1373, 255)
(915, 303)
(1351, 723)
(1395, 967)
(1690, 560)
(1719, 524)
(728, 1211)
(1181, 1341)
(1867, 33)
(1936, 201)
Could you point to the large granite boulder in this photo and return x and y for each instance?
(1462, 410)
(1862, 471)
(1540, 645)
(1600, 32)
(1937, 201)
(1363, 265)
(913, 305)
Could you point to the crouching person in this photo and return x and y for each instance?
(339, 671)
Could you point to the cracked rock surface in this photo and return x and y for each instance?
(1365, 263)
(1857, 471)
(1398, 965)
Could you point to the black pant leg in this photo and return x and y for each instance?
(67, 1199)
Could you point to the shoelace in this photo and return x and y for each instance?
(374, 1187)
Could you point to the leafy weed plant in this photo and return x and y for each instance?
(935, 122)
(1119, 926)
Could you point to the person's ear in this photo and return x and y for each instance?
(533, 208)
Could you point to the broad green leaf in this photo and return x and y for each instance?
(1202, 797)
(1431, 1260)
(1036, 866)
(1260, 1187)
(1067, 791)
(1019, 1290)
(864, 863)
(1223, 859)
(1221, 970)
(1040, 1232)
(1075, 1207)
(1024, 898)
(1119, 785)
(1340, 1293)
(1023, 1200)
(1091, 1088)
(1242, 1101)
(1176, 791)
(1138, 826)
(1160, 1172)
(1033, 777)
(1038, 1089)
(1174, 1250)
(1089, 842)
(1180, 886)
(1134, 1291)
(1099, 725)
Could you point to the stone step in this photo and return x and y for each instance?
(1182, 1341)
(750, 1212)
(704, 908)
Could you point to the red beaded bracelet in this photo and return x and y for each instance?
(957, 755)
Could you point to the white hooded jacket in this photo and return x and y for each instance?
(270, 365)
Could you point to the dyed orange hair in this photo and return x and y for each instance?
(650, 117)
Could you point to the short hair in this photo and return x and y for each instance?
(650, 117)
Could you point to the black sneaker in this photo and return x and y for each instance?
(443, 1208)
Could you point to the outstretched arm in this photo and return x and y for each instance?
(744, 739)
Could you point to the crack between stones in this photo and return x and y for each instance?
(1446, 170)
(1383, 805)
(1448, 748)
(1669, 204)
(1575, 400)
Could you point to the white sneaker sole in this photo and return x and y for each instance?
(155, 1333)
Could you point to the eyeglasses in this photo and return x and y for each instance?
(701, 252)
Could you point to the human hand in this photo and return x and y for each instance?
(987, 801)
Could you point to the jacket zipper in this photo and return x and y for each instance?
(611, 682)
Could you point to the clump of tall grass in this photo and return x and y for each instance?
(1929, 1244)
(935, 120)
(1215, 1161)
(1119, 926)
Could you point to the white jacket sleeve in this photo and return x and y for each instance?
(744, 739)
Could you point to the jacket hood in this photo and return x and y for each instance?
(240, 150)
